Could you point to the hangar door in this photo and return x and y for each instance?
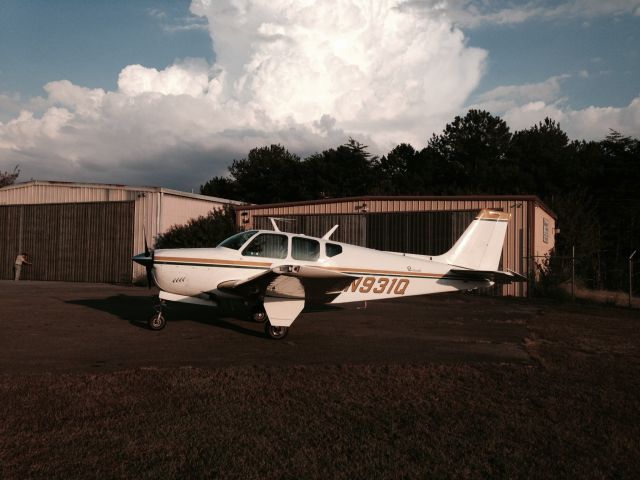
(353, 227)
(423, 233)
(73, 242)
(426, 233)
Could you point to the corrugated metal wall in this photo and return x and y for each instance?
(76, 242)
(424, 233)
(396, 223)
(353, 228)
(40, 193)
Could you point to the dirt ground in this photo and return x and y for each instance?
(67, 327)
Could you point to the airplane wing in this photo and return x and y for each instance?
(287, 287)
(495, 276)
(291, 281)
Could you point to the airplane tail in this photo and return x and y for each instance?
(480, 246)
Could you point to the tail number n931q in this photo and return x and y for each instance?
(379, 285)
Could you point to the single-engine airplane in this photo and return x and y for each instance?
(276, 273)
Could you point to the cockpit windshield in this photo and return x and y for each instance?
(238, 240)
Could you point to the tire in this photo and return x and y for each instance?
(258, 315)
(157, 322)
(275, 333)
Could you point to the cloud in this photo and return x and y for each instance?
(587, 123)
(301, 73)
(476, 13)
(172, 24)
(503, 98)
(522, 106)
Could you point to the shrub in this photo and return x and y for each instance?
(201, 232)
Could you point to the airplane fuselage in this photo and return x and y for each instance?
(380, 275)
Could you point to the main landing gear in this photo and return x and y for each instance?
(158, 321)
(275, 333)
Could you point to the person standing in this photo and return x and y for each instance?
(21, 259)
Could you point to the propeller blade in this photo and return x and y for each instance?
(149, 266)
(146, 246)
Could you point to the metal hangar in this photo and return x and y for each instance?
(84, 232)
(427, 225)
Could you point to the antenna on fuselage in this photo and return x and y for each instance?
(330, 232)
(275, 226)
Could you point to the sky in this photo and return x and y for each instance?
(169, 92)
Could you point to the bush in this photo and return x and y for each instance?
(200, 232)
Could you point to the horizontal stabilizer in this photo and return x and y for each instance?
(494, 276)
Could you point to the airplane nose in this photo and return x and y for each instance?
(146, 260)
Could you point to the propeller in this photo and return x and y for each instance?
(146, 259)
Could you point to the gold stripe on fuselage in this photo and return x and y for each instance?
(346, 270)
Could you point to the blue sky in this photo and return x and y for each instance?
(89, 42)
(101, 91)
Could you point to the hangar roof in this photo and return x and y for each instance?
(33, 183)
(370, 198)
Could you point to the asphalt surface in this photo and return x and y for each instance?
(76, 327)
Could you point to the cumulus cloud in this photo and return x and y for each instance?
(302, 73)
(475, 13)
(522, 106)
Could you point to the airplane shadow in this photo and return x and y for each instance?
(137, 310)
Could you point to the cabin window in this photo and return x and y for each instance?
(267, 245)
(305, 249)
(238, 240)
(333, 249)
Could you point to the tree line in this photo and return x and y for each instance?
(592, 186)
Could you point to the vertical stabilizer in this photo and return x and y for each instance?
(480, 246)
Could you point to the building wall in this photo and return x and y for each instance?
(40, 193)
(176, 209)
(155, 209)
(74, 242)
(544, 239)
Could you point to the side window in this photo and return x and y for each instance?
(333, 249)
(267, 245)
(305, 249)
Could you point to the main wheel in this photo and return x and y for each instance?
(258, 315)
(275, 333)
(157, 321)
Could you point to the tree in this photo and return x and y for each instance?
(266, 175)
(544, 160)
(7, 178)
(471, 154)
(340, 172)
(201, 232)
(222, 187)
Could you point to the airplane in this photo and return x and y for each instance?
(275, 273)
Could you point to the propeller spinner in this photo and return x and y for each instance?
(146, 259)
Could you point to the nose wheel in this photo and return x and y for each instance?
(157, 320)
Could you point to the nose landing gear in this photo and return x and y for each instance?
(158, 320)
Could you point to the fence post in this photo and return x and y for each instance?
(631, 277)
(573, 273)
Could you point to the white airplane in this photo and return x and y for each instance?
(276, 273)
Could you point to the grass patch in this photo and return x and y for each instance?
(321, 422)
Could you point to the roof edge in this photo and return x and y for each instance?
(364, 198)
(136, 188)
